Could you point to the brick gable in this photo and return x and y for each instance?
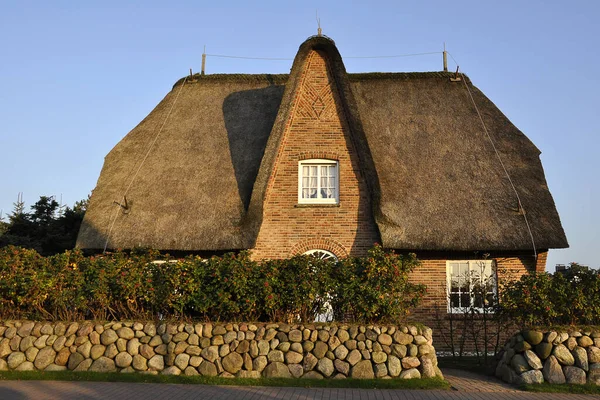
(316, 128)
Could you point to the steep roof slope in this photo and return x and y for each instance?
(442, 185)
(192, 189)
(434, 178)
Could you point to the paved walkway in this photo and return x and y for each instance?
(464, 386)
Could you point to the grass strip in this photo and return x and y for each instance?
(408, 384)
(562, 388)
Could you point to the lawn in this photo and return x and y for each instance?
(432, 383)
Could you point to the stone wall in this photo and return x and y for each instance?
(242, 350)
(554, 357)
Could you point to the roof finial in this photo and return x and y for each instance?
(319, 31)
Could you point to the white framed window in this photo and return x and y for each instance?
(318, 182)
(472, 285)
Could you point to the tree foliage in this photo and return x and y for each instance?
(48, 228)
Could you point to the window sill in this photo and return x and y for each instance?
(316, 205)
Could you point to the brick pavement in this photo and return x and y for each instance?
(465, 386)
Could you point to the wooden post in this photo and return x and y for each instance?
(445, 59)
(203, 61)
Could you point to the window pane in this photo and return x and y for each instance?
(313, 171)
(305, 193)
(454, 300)
(478, 301)
(463, 269)
(454, 269)
(465, 300)
(305, 170)
(454, 286)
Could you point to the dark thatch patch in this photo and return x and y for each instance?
(432, 174)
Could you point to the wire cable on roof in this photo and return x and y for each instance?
(140, 166)
(290, 59)
(501, 163)
(250, 58)
(399, 55)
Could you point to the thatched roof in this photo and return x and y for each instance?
(434, 179)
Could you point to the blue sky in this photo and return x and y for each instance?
(75, 77)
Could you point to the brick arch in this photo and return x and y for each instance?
(325, 155)
(320, 244)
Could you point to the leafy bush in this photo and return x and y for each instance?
(570, 297)
(232, 287)
(375, 288)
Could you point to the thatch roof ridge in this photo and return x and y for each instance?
(281, 79)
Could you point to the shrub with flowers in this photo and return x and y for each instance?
(231, 287)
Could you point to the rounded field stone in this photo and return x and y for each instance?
(156, 363)
(277, 370)
(123, 360)
(44, 358)
(412, 373)
(326, 367)
(232, 363)
(108, 337)
(103, 364)
(15, 359)
(362, 370)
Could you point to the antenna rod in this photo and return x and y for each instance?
(319, 31)
(445, 58)
(203, 61)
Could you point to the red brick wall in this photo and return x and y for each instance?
(317, 128)
(433, 311)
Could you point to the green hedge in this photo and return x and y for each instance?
(570, 297)
(229, 288)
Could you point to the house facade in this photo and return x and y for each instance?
(329, 162)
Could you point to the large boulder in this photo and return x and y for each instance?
(533, 337)
(594, 374)
(581, 358)
(553, 372)
(103, 364)
(394, 366)
(412, 373)
(575, 375)
(533, 360)
(519, 364)
(44, 358)
(15, 359)
(108, 337)
(325, 366)
(207, 369)
(277, 370)
(563, 355)
(533, 376)
(593, 354)
(362, 370)
(232, 363)
(543, 350)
